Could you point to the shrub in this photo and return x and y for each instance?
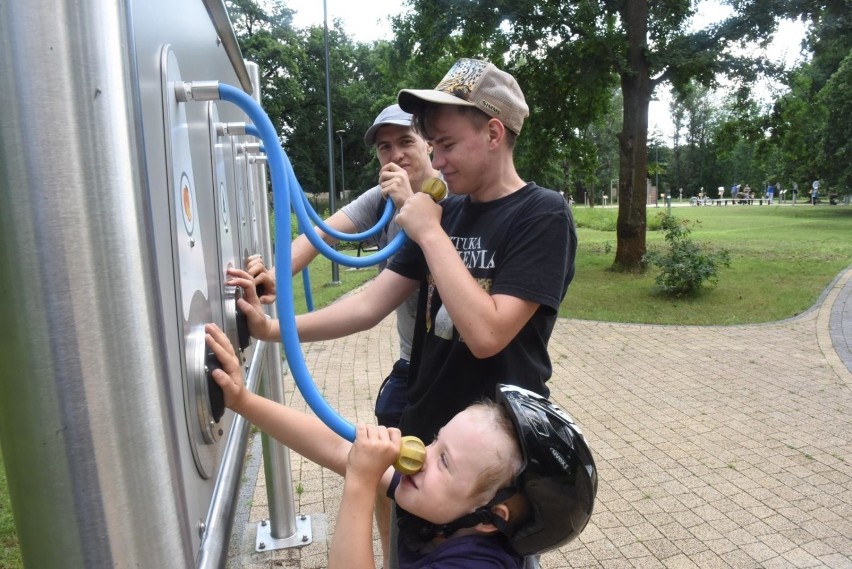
(686, 267)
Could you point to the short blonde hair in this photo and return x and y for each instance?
(504, 470)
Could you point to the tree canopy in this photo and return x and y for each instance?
(567, 56)
(588, 70)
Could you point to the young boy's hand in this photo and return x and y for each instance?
(230, 377)
(263, 279)
(259, 325)
(375, 449)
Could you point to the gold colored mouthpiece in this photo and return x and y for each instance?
(412, 454)
(436, 188)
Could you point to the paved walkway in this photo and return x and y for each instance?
(716, 446)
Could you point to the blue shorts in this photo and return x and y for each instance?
(393, 395)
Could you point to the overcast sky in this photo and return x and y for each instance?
(369, 21)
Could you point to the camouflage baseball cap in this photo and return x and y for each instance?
(474, 83)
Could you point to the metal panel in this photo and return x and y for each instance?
(88, 435)
(103, 297)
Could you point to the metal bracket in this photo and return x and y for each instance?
(265, 541)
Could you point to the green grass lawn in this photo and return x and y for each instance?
(782, 259)
(10, 555)
(322, 289)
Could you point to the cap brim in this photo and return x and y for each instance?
(410, 100)
(370, 135)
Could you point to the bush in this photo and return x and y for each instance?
(685, 268)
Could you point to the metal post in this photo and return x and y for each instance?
(332, 199)
(342, 174)
(657, 167)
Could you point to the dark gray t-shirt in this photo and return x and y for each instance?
(363, 213)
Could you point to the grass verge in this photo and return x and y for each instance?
(783, 257)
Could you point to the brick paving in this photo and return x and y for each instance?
(716, 447)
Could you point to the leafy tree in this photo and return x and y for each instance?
(810, 124)
(836, 146)
(292, 67)
(568, 54)
(266, 37)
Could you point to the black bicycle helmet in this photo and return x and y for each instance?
(558, 478)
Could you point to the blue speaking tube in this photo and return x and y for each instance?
(279, 167)
(327, 251)
(314, 216)
(296, 193)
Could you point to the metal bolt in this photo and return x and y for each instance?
(206, 370)
(303, 517)
(263, 523)
(304, 538)
(191, 242)
(261, 545)
(202, 527)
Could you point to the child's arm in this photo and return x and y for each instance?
(375, 449)
(303, 433)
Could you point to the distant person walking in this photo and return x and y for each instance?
(814, 192)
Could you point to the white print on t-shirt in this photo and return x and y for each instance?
(443, 324)
(443, 321)
(472, 254)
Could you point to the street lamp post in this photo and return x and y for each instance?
(342, 174)
(657, 165)
(332, 206)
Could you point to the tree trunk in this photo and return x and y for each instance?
(633, 141)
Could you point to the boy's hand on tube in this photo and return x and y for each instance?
(419, 216)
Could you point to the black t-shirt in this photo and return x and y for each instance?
(521, 245)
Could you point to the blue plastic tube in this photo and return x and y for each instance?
(278, 168)
(297, 194)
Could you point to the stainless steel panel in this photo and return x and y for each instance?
(88, 434)
(92, 420)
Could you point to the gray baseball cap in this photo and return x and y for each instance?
(390, 115)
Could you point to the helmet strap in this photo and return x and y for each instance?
(482, 515)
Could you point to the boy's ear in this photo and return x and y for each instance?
(500, 510)
(496, 132)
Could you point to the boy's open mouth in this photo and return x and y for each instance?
(408, 480)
